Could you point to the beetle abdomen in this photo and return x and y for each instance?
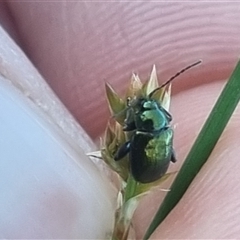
(150, 155)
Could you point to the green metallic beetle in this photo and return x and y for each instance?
(150, 147)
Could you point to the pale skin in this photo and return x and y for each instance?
(78, 46)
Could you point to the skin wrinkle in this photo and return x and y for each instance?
(65, 24)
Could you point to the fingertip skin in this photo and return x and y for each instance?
(210, 207)
(78, 46)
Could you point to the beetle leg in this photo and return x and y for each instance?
(173, 157)
(129, 126)
(129, 123)
(122, 151)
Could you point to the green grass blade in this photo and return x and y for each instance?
(202, 147)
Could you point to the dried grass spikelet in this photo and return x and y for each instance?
(114, 135)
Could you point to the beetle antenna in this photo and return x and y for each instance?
(175, 76)
(180, 72)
